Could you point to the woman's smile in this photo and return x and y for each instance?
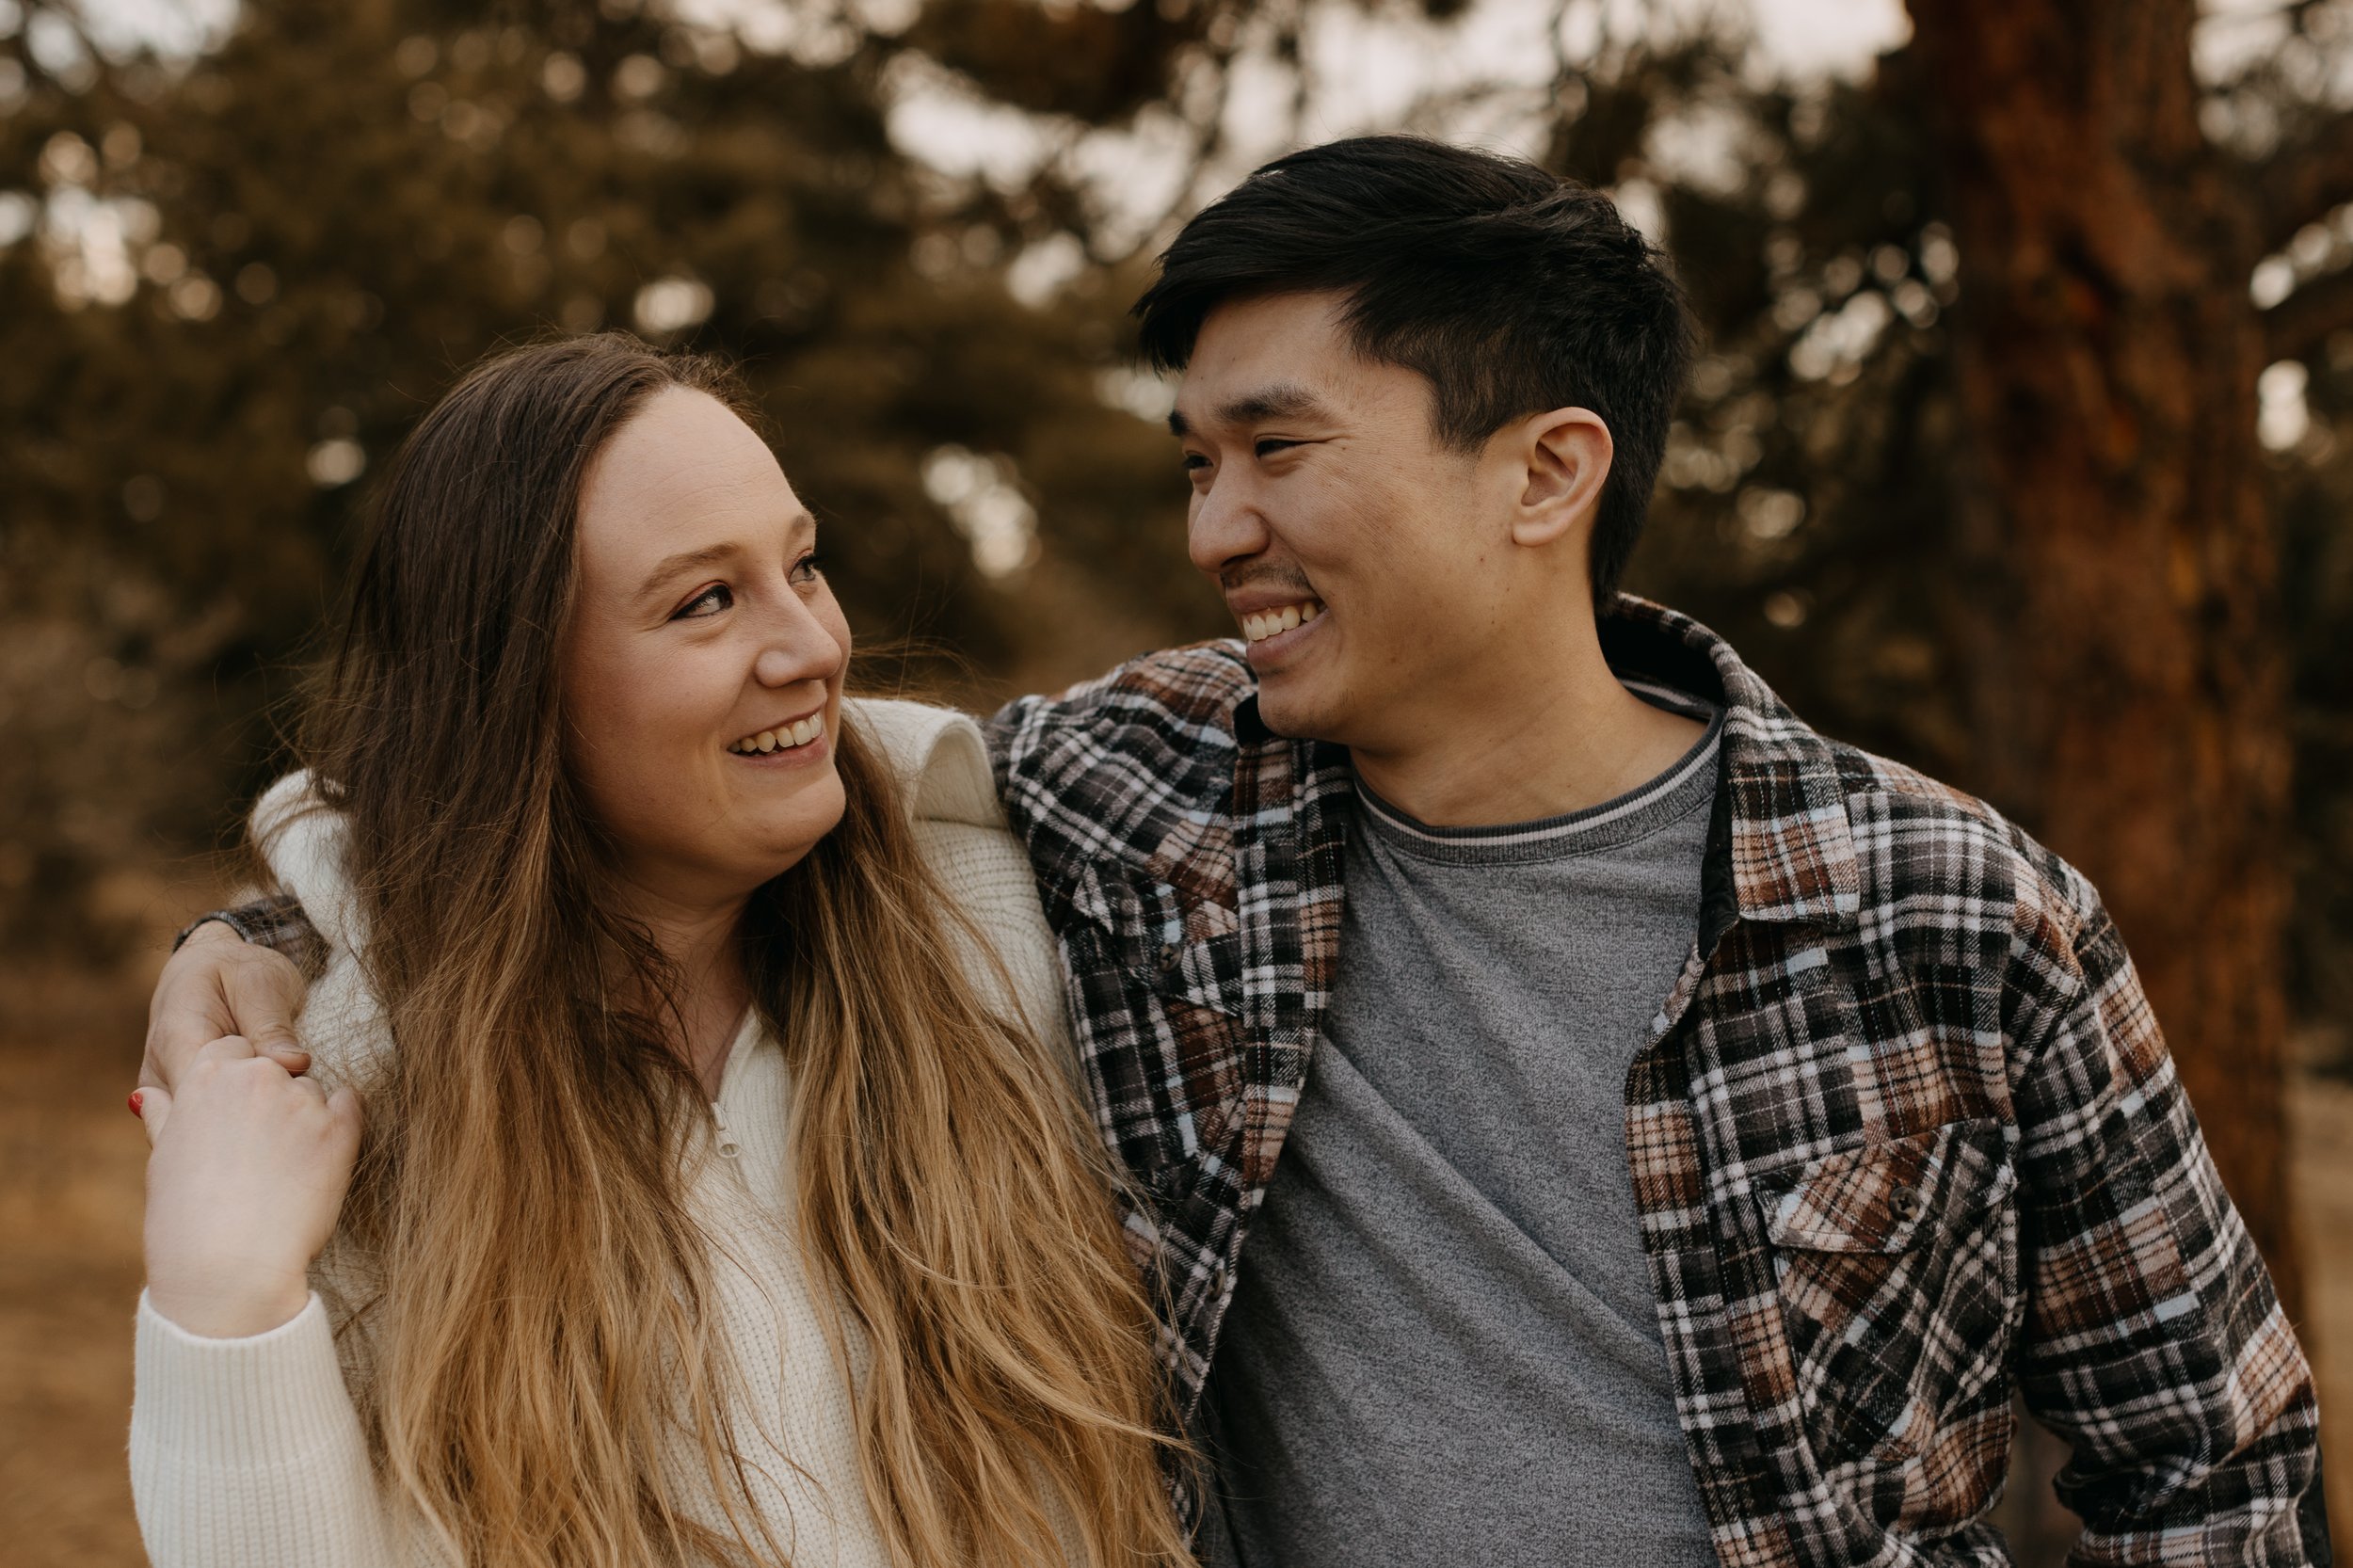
(798, 739)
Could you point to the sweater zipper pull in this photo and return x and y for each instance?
(729, 1147)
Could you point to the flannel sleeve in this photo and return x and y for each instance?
(2153, 1341)
(276, 922)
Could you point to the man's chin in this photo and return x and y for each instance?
(1294, 709)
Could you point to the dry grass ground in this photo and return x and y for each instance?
(2320, 1130)
(71, 1160)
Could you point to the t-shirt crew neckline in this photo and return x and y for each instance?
(1687, 786)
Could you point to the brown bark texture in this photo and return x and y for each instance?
(2132, 685)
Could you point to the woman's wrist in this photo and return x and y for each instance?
(227, 1310)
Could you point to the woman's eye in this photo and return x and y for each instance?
(709, 602)
(808, 568)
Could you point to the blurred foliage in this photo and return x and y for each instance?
(228, 284)
(248, 274)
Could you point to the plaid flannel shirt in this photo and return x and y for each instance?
(1904, 1136)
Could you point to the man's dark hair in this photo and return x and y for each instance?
(1510, 289)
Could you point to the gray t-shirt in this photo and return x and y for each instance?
(1444, 1346)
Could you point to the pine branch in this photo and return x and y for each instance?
(2298, 325)
(2303, 184)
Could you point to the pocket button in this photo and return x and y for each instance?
(1904, 1202)
(1167, 957)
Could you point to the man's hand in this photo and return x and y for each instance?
(219, 983)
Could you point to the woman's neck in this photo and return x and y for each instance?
(699, 939)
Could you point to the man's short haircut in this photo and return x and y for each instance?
(1511, 290)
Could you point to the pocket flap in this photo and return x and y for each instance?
(1875, 1197)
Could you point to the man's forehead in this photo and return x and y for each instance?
(1283, 356)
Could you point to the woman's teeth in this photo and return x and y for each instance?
(783, 738)
(1267, 623)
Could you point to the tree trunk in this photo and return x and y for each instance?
(2133, 687)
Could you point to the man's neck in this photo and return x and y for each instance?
(1529, 747)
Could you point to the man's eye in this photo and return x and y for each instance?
(709, 602)
(1194, 462)
(1273, 444)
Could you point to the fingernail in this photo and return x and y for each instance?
(134, 1104)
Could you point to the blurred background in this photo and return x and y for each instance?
(2020, 448)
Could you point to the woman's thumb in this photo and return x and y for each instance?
(150, 1106)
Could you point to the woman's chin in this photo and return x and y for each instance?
(773, 842)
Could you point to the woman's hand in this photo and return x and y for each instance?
(248, 1170)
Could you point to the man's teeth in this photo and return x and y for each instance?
(1266, 623)
(783, 738)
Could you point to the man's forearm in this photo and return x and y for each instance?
(2155, 1343)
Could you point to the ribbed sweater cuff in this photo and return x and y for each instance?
(259, 1401)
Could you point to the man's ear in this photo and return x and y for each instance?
(1566, 456)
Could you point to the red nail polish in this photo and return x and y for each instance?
(134, 1104)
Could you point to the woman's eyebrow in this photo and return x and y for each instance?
(710, 554)
(670, 565)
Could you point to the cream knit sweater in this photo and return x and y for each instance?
(248, 1453)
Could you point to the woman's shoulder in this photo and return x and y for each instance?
(961, 830)
(938, 754)
(984, 874)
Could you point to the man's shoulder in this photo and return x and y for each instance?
(1928, 853)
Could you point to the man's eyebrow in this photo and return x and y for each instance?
(685, 560)
(1283, 400)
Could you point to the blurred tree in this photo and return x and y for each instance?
(2132, 675)
(236, 280)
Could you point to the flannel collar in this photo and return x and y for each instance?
(1781, 849)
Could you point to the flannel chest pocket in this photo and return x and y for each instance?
(1896, 1265)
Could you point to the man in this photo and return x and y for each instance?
(1577, 1113)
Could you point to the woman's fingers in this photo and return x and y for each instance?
(152, 1106)
(225, 1047)
(153, 1103)
(344, 1106)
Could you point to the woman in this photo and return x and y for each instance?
(716, 1200)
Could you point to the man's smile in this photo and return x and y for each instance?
(1259, 625)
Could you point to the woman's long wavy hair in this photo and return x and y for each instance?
(538, 1314)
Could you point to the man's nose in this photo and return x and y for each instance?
(1226, 526)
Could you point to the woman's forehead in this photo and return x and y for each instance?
(682, 472)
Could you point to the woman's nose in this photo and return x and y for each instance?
(796, 647)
